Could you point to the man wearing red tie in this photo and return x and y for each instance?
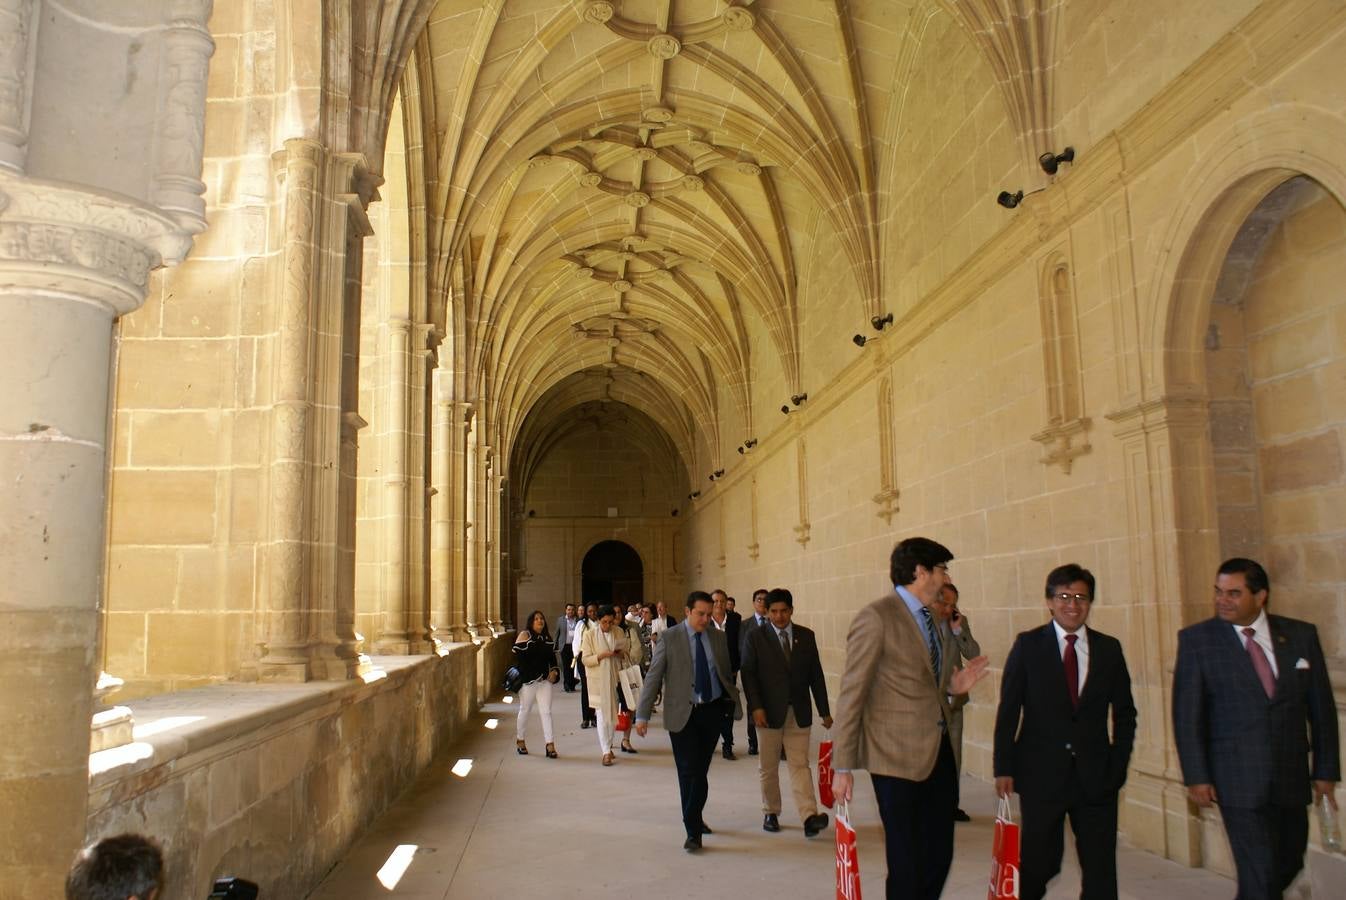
(1063, 680)
(1256, 727)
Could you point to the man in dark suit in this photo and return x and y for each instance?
(565, 654)
(893, 716)
(691, 668)
(1244, 687)
(1064, 680)
(780, 670)
(720, 618)
(756, 620)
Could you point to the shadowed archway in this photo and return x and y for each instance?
(612, 572)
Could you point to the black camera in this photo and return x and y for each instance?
(232, 888)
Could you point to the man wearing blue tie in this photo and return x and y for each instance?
(691, 668)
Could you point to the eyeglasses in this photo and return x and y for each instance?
(942, 567)
(1078, 599)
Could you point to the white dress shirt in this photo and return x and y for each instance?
(1262, 634)
(1081, 651)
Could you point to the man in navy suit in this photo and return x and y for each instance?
(1063, 679)
(1244, 688)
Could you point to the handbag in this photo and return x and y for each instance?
(848, 864)
(513, 680)
(624, 720)
(825, 771)
(1004, 883)
(631, 682)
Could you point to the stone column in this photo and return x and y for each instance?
(394, 631)
(474, 532)
(71, 261)
(447, 577)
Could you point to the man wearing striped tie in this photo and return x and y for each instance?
(1256, 727)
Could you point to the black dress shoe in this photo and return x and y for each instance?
(729, 753)
(693, 842)
(770, 823)
(960, 816)
(815, 824)
(705, 829)
(584, 724)
(752, 751)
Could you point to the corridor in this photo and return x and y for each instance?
(526, 827)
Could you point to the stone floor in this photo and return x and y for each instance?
(526, 826)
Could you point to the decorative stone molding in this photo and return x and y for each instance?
(663, 46)
(599, 13)
(106, 245)
(736, 18)
(637, 199)
(754, 551)
(179, 141)
(591, 179)
(1064, 441)
(745, 167)
(692, 182)
(659, 114)
(802, 533)
(16, 64)
(886, 500)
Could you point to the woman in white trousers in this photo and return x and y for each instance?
(535, 658)
(604, 651)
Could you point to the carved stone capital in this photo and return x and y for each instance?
(886, 500)
(63, 238)
(1063, 442)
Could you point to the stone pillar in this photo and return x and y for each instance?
(447, 505)
(394, 632)
(309, 608)
(474, 532)
(70, 263)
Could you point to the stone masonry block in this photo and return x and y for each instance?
(1309, 462)
(163, 507)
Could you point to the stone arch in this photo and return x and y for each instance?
(1257, 154)
(637, 558)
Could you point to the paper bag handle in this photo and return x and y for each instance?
(1004, 810)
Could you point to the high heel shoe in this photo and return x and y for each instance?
(520, 748)
(627, 748)
(551, 751)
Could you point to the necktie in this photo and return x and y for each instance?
(931, 640)
(1260, 664)
(702, 669)
(785, 645)
(1072, 664)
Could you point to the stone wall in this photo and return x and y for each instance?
(273, 782)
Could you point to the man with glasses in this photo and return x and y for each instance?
(1061, 683)
(893, 719)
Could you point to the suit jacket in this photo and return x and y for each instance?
(673, 672)
(1254, 750)
(563, 633)
(891, 706)
(733, 630)
(958, 648)
(746, 627)
(773, 684)
(1038, 751)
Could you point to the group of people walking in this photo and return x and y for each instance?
(1253, 714)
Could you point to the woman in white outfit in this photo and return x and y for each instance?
(536, 659)
(604, 650)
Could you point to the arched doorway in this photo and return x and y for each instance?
(612, 572)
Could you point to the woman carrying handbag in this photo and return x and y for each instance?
(535, 659)
(604, 648)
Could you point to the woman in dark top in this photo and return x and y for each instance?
(535, 658)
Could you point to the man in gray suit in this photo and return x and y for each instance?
(758, 619)
(691, 668)
(959, 646)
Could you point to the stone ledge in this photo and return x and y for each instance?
(218, 714)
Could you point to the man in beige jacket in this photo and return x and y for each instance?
(893, 719)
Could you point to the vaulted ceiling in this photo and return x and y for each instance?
(619, 194)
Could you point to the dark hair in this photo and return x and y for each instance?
(698, 596)
(780, 595)
(719, 591)
(1064, 576)
(606, 610)
(1253, 574)
(950, 586)
(116, 868)
(546, 631)
(913, 552)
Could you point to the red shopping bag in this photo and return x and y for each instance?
(623, 720)
(848, 864)
(825, 772)
(1004, 884)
